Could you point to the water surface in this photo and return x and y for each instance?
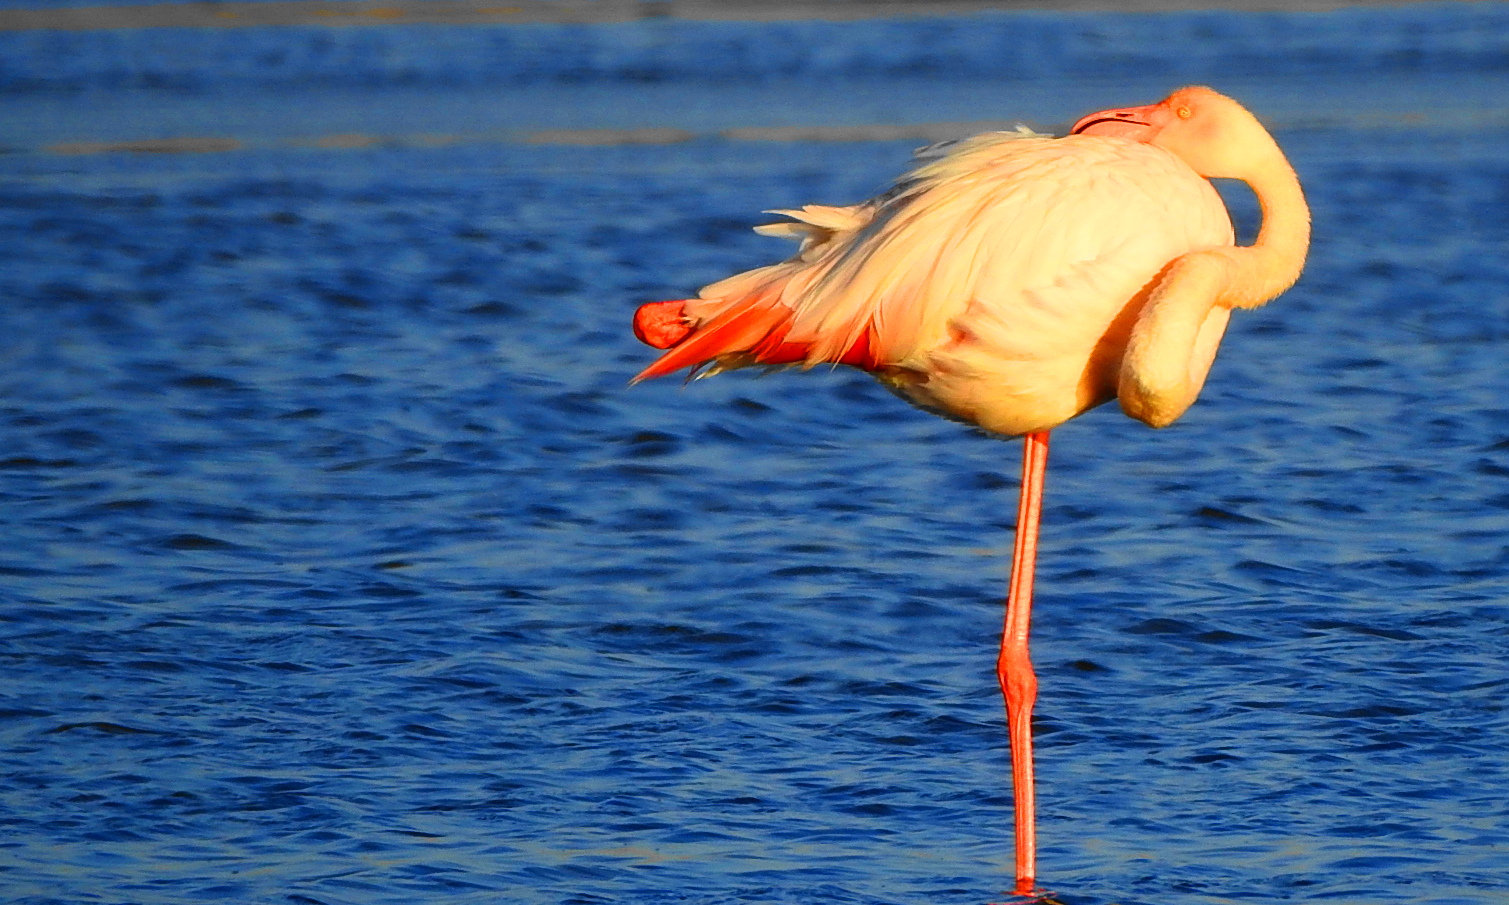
(342, 567)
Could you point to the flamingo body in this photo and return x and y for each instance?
(997, 285)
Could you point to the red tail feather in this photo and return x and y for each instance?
(739, 329)
(755, 327)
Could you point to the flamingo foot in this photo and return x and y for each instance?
(1028, 894)
(662, 324)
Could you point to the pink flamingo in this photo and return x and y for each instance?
(1013, 282)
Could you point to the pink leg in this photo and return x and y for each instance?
(1014, 668)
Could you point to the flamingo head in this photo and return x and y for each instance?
(1211, 132)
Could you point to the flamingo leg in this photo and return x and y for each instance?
(1014, 667)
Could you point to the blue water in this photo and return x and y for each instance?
(341, 566)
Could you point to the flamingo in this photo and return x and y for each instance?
(1013, 281)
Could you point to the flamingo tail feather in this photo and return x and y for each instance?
(740, 329)
(751, 332)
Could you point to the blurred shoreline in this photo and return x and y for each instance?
(103, 88)
(356, 13)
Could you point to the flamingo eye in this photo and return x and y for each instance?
(1184, 113)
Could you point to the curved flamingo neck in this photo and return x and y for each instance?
(1274, 260)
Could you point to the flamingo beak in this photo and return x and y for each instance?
(1135, 123)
